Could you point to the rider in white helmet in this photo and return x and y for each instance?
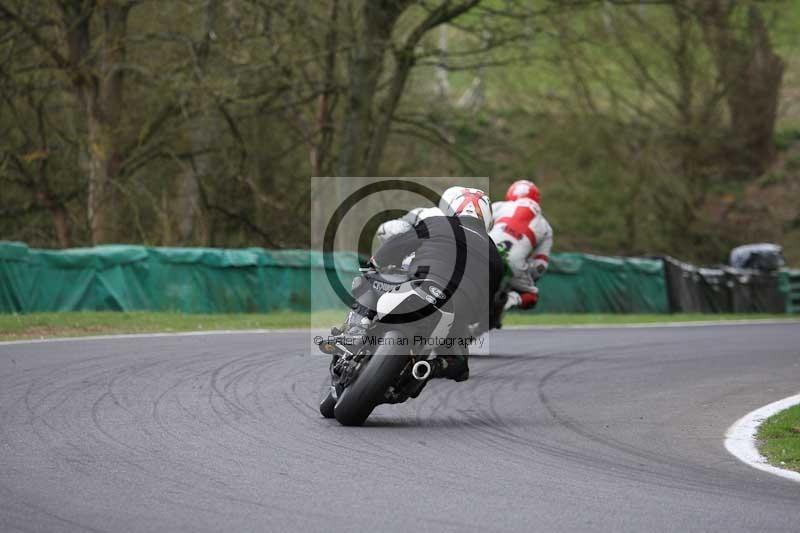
(437, 243)
(397, 226)
(466, 201)
(524, 235)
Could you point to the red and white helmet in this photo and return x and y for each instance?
(523, 189)
(464, 201)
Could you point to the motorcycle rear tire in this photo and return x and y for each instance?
(326, 405)
(358, 400)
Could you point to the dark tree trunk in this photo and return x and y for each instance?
(366, 66)
(320, 152)
(752, 73)
(99, 85)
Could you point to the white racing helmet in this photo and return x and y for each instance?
(464, 201)
(392, 228)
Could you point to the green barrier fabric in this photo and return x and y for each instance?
(203, 280)
(192, 280)
(577, 283)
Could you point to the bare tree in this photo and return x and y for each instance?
(752, 72)
(687, 98)
(94, 38)
(368, 117)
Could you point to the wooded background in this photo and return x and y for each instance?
(652, 127)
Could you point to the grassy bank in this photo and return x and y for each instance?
(47, 325)
(779, 439)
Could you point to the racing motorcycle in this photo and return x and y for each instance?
(377, 360)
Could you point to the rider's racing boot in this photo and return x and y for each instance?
(453, 367)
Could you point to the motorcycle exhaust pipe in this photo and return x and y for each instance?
(421, 370)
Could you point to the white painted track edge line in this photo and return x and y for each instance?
(706, 323)
(688, 324)
(157, 335)
(740, 438)
(692, 324)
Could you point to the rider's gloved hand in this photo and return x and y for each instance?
(373, 264)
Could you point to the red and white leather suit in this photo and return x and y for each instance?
(527, 238)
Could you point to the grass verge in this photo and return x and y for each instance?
(779, 439)
(48, 325)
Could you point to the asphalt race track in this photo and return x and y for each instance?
(558, 430)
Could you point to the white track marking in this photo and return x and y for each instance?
(740, 439)
(156, 335)
(704, 323)
(687, 324)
